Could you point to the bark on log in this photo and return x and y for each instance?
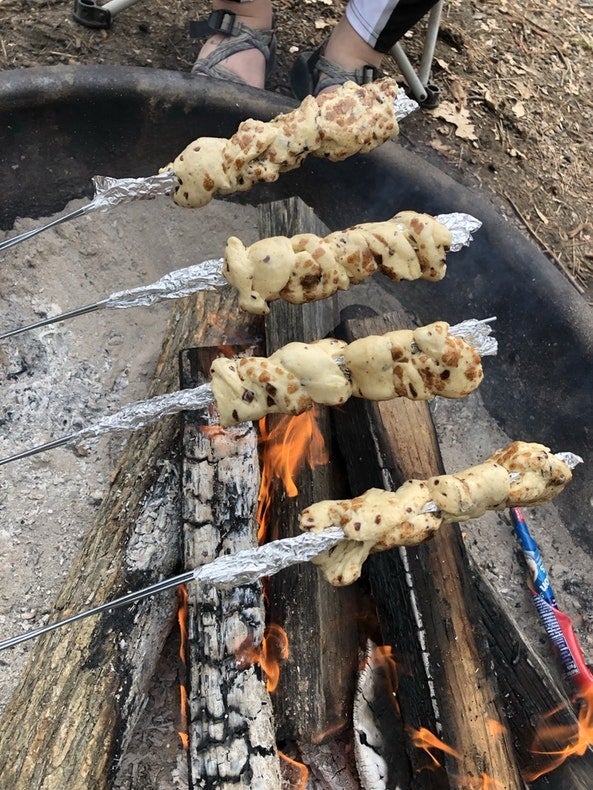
(231, 728)
(76, 702)
(315, 693)
(425, 595)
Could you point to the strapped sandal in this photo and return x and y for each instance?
(239, 38)
(312, 72)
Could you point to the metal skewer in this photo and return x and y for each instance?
(205, 276)
(208, 275)
(89, 308)
(133, 416)
(230, 570)
(113, 191)
(4, 245)
(108, 192)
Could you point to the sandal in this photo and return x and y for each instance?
(239, 38)
(312, 73)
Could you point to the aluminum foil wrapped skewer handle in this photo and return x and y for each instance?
(137, 415)
(108, 192)
(131, 417)
(208, 275)
(204, 276)
(232, 570)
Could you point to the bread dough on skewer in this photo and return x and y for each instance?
(379, 519)
(306, 267)
(417, 364)
(350, 120)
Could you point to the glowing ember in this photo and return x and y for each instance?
(182, 610)
(212, 431)
(576, 737)
(273, 651)
(424, 739)
(283, 450)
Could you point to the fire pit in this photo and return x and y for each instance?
(60, 126)
(128, 122)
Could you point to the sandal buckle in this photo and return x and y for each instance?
(366, 74)
(223, 22)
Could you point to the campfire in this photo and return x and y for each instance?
(413, 675)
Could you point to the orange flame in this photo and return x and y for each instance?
(495, 728)
(182, 611)
(578, 737)
(299, 782)
(270, 655)
(284, 448)
(488, 783)
(424, 739)
(384, 657)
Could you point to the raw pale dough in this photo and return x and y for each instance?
(379, 519)
(350, 120)
(304, 268)
(416, 364)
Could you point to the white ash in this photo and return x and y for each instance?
(56, 379)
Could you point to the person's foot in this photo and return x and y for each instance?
(242, 46)
(344, 57)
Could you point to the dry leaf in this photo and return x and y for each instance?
(458, 91)
(543, 218)
(490, 101)
(523, 90)
(443, 149)
(464, 128)
(443, 64)
(320, 24)
(518, 109)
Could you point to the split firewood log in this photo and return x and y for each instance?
(350, 120)
(520, 475)
(304, 268)
(417, 364)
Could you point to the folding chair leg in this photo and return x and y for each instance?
(90, 14)
(418, 82)
(432, 32)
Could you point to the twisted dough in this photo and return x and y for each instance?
(416, 364)
(352, 119)
(379, 520)
(304, 268)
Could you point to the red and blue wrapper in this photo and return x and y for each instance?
(558, 625)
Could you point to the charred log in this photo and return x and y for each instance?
(315, 693)
(231, 726)
(68, 720)
(425, 596)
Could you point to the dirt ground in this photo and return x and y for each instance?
(516, 112)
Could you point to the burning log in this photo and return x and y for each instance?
(425, 598)
(230, 723)
(315, 693)
(81, 690)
